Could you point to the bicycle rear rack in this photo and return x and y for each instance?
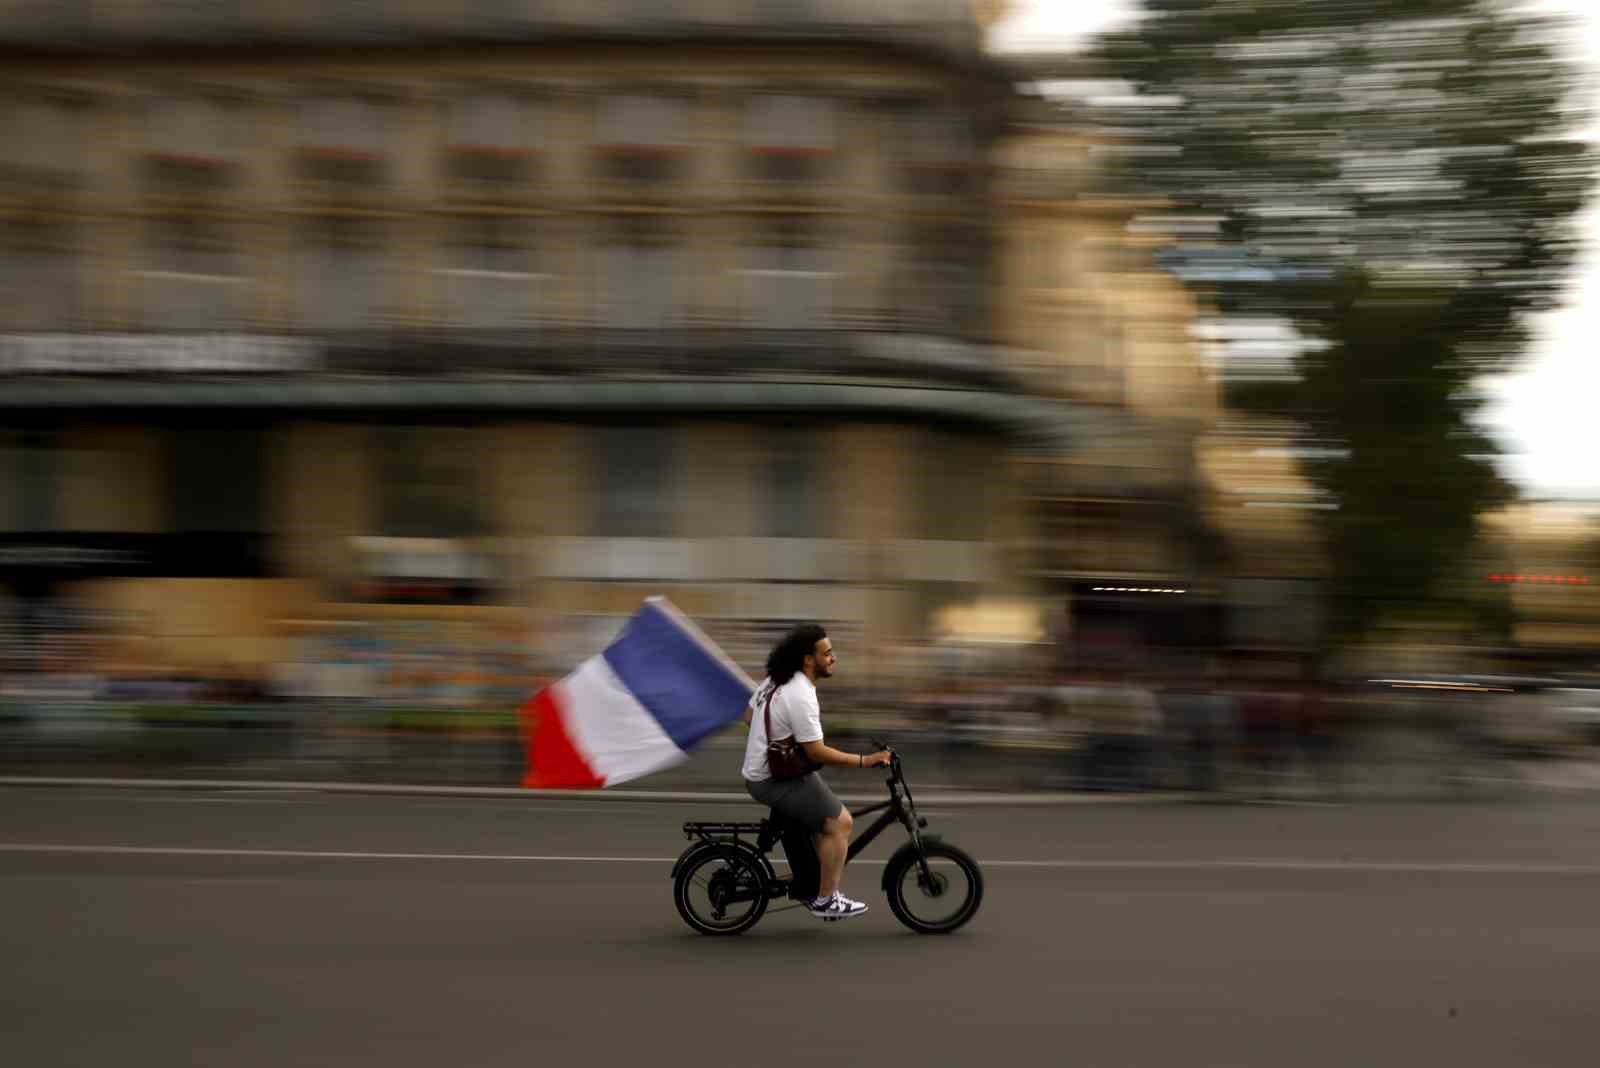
(764, 833)
(768, 833)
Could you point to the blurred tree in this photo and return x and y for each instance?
(1399, 179)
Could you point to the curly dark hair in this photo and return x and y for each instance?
(788, 656)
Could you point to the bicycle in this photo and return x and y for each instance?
(723, 883)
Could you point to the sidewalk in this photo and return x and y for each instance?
(464, 761)
(936, 769)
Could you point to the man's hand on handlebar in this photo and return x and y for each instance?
(879, 759)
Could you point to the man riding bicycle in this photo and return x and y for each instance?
(787, 698)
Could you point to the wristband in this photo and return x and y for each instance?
(861, 759)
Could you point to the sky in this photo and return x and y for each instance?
(1544, 414)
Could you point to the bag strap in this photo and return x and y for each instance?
(766, 712)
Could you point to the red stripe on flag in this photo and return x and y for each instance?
(553, 761)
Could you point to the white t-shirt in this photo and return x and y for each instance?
(794, 712)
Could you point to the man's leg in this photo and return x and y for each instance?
(833, 846)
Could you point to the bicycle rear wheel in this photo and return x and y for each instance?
(720, 890)
(942, 901)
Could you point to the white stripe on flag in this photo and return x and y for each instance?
(616, 734)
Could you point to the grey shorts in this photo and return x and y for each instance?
(806, 800)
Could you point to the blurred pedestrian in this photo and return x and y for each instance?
(1198, 715)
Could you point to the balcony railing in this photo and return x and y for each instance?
(556, 352)
(691, 351)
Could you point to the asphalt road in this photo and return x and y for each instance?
(196, 928)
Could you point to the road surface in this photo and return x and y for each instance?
(147, 927)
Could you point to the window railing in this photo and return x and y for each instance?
(340, 165)
(185, 173)
(640, 164)
(791, 166)
(489, 164)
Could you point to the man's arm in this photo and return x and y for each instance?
(822, 753)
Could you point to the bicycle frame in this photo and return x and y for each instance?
(898, 808)
(895, 810)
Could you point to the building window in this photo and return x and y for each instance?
(787, 286)
(640, 282)
(491, 138)
(216, 480)
(935, 152)
(342, 139)
(951, 473)
(339, 276)
(39, 278)
(34, 476)
(490, 281)
(630, 491)
(788, 138)
(191, 279)
(791, 498)
(641, 138)
(40, 142)
(428, 482)
(939, 281)
(190, 141)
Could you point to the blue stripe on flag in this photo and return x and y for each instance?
(689, 691)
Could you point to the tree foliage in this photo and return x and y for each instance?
(1413, 162)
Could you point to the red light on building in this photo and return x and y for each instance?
(1543, 580)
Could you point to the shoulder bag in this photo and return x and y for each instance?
(785, 758)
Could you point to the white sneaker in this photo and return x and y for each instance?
(837, 907)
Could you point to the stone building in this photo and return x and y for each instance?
(527, 306)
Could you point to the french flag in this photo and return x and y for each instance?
(655, 693)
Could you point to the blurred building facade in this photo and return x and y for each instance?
(1546, 560)
(523, 304)
(1120, 536)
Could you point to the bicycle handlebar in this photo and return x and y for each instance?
(894, 763)
(895, 773)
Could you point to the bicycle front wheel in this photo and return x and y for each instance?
(939, 900)
(721, 891)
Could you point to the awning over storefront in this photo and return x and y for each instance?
(986, 406)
